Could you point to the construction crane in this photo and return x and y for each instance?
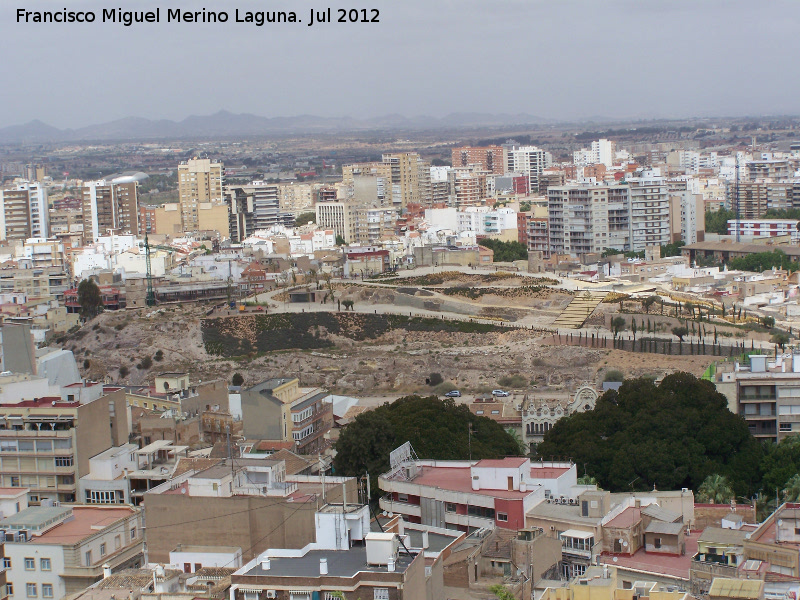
(150, 299)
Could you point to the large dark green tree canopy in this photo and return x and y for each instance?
(672, 436)
(437, 429)
(90, 299)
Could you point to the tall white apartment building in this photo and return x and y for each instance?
(530, 161)
(649, 211)
(601, 152)
(484, 221)
(339, 216)
(37, 200)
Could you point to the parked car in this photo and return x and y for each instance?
(453, 394)
(500, 393)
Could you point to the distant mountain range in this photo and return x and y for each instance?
(225, 124)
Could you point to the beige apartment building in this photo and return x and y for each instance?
(45, 444)
(167, 219)
(199, 181)
(410, 177)
(213, 216)
(14, 215)
(280, 410)
(296, 197)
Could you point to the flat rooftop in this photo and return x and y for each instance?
(86, 521)
(459, 479)
(211, 549)
(35, 517)
(341, 563)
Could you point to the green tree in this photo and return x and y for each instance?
(237, 380)
(90, 299)
(680, 332)
(715, 489)
(305, 218)
(340, 240)
(437, 429)
(768, 322)
(671, 435)
(614, 375)
(123, 372)
(791, 490)
(780, 339)
(717, 221)
(435, 379)
(617, 325)
(501, 592)
(673, 249)
(648, 302)
(348, 304)
(505, 251)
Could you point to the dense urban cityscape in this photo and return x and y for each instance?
(499, 363)
(419, 300)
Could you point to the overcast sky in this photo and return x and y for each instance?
(560, 59)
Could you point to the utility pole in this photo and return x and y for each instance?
(469, 441)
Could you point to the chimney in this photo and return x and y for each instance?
(344, 497)
(605, 571)
(401, 526)
(323, 566)
(265, 563)
(390, 565)
(425, 541)
(106, 571)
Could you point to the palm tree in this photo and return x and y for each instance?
(520, 444)
(791, 493)
(715, 489)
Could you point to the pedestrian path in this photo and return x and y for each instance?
(579, 309)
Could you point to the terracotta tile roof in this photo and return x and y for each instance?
(294, 464)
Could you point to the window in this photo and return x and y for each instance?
(102, 549)
(502, 516)
(133, 532)
(402, 497)
(10, 589)
(64, 461)
(47, 590)
(87, 557)
(657, 542)
(6, 563)
(381, 594)
(44, 564)
(30, 564)
(101, 497)
(30, 590)
(450, 507)
(786, 427)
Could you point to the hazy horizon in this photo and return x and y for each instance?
(568, 61)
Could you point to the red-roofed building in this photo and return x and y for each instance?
(66, 547)
(470, 495)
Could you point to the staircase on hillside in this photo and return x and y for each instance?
(579, 309)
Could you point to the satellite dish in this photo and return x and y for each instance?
(625, 544)
(615, 559)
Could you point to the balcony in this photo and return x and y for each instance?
(403, 508)
(713, 569)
